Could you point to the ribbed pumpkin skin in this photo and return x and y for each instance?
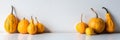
(11, 23)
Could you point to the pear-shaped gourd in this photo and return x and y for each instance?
(110, 25)
(11, 23)
(40, 27)
(97, 23)
(81, 27)
(32, 29)
(22, 26)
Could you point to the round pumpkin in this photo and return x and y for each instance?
(22, 26)
(89, 31)
(40, 26)
(97, 23)
(81, 27)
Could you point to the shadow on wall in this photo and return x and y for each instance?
(47, 30)
(116, 23)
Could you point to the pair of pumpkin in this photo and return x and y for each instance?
(12, 24)
(96, 24)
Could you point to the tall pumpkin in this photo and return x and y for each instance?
(110, 25)
(11, 23)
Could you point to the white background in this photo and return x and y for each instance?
(59, 15)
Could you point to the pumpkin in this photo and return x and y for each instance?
(40, 27)
(89, 31)
(97, 23)
(80, 27)
(22, 26)
(11, 23)
(110, 25)
(32, 29)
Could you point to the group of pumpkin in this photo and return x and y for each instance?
(97, 25)
(13, 25)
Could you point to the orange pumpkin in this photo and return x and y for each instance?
(22, 26)
(11, 23)
(32, 29)
(110, 25)
(89, 31)
(81, 27)
(40, 27)
(97, 23)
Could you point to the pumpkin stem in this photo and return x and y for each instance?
(81, 17)
(36, 19)
(31, 19)
(12, 9)
(105, 9)
(94, 12)
(24, 18)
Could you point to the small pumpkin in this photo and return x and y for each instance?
(97, 23)
(89, 31)
(80, 27)
(11, 23)
(22, 26)
(40, 27)
(32, 29)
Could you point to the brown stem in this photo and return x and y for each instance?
(24, 18)
(81, 17)
(105, 9)
(12, 9)
(94, 12)
(36, 19)
(32, 19)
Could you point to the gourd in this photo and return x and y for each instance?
(110, 26)
(81, 26)
(97, 23)
(89, 31)
(32, 29)
(11, 23)
(22, 26)
(40, 27)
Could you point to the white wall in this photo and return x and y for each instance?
(59, 15)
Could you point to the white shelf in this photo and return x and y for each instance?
(59, 36)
